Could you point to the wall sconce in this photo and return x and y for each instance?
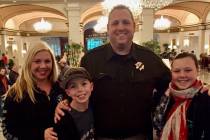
(186, 42)
(174, 47)
(181, 29)
(206, 46)
(24, 50)
(170, 46)
(14, 47)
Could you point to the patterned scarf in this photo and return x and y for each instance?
(176, 127)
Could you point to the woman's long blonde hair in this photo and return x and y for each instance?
(26, 82)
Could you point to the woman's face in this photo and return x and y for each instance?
(184, 72)
(41, 65)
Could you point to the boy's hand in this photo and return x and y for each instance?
(49, 134)
(63, 105)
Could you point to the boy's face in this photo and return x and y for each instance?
(80, 90)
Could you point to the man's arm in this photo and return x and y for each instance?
(59, 110)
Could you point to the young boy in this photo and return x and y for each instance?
(77, 124)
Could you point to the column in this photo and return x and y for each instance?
(138, 28)
(73, 10)
(201, 47)
(3, 41)
(82, 34)
(181, 41)
(146, 32)
(207, 41)
(18, 53)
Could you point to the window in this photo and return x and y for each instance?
(94, 42)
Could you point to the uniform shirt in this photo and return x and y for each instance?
(122, 99)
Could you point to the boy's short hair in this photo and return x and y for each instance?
(74, 73)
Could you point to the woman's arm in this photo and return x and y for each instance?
(11, 119)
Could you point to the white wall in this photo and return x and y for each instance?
(207, 41)
(167, 38)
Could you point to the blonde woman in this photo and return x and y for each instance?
(30, 102)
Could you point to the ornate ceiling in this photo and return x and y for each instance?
(26, 12)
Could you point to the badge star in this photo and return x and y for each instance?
(139, 66)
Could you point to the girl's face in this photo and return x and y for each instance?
(184, 72)
(41, 65)
(80, 90)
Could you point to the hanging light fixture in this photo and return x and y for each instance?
(134, 6)
(162, 23)
(42, 26)
(101, 25)
(156, 4)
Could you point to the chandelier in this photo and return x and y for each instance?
(42, 26)
(133, 5)
(162, 23)
(101, 26)
(156, 4)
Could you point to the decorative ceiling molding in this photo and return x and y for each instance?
(91, 13)
(19, 19)
(195, 7)
(8, 12)
(180, 15)
(180, 10)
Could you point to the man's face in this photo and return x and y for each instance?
(121, 28)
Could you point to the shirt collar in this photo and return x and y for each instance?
(111, 53)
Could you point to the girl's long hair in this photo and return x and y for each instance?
(26, 82)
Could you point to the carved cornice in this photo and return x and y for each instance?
(10, 32)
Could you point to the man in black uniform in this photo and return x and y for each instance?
(125, 76)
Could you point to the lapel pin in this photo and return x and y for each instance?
(139, 66)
